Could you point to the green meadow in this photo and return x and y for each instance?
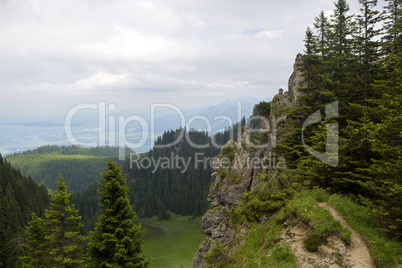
(172, 243)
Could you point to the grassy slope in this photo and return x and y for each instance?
(385, 251)
(172, 243)
(259, 248)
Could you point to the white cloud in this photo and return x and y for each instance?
(186, 52)
(268, 34)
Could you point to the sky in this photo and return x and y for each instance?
(55, 55)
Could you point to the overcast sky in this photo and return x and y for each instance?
(56, 54)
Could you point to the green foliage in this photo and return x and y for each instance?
(263, 109)
(271, 194)
(116, 240)
(66, 246)
(320, 220)
(55, 240)
(35, 245)
(283, 254)
(261, 114)
(312, 242)
(229, 176)
(216, 257)
(87, 204)
(260, 247)
(229, 151)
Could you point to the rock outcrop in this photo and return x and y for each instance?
(295, 80)
(227, 192)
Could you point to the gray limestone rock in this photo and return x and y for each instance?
(295, 80)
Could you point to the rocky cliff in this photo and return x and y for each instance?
(225, 193)
(237, 170)
(251, 180)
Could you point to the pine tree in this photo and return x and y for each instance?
(64, 224)
(341, 60)
(342, 29)
(392, 21)
(116, 240)
(322, 25)
(36, 247)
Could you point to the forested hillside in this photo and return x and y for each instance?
(19, 197)
(182, 186)
(158, 189)
(80, 166)
(178, 188)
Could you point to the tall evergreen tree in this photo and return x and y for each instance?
(368, 44)
(36, 247)
(392, 19)
(322, 25)
(116, 240)
(342, 29)
(63, 224)
(341, 62)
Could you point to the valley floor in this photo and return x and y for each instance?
(172, 243)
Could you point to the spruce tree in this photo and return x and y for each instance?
(63, 227)
(322, 25)
(36, 247)
(392, 19)
(368, 44)
(341, 60)
(342, 29)
(116, 240)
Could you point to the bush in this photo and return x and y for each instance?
(229, 151)
(312, 242)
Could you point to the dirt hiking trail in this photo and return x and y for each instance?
(358, 254)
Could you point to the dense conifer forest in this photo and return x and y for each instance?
(19, 197)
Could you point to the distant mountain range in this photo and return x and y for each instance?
(232, 109)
